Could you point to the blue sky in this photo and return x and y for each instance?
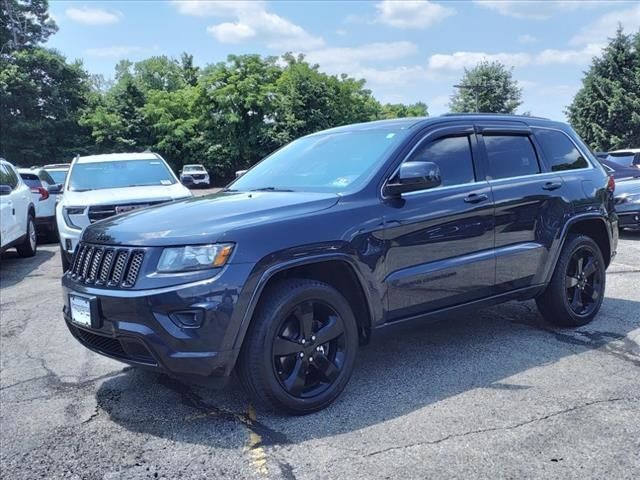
(407, 51)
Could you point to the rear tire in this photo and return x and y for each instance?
(300, 349)
(29, 245)
(574, 295)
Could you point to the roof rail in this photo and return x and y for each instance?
(488, 114)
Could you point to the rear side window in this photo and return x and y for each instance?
(45, 177)
(559, 152)
(510, 156)
(8, 176)
(31, 180)
(453, 157)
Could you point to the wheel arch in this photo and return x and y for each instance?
(594, 225)
(335, 270)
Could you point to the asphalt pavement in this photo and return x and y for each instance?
(494, 394)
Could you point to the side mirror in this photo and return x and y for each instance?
(5, 190)
(414, 176)
(55, 188)
(187, 181)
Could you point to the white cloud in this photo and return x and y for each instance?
(93, 16)
(605, 26)
(251, 19)
(526, 38)
(411, 13)
(461, 60)
(364, 53)
(116, 51)
(231, 32)
(536, 10)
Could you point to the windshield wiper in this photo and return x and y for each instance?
(271, 189)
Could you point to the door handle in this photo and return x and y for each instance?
(552, 185)
(475, 198)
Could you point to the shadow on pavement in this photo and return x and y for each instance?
(400, 373)
(14, 268)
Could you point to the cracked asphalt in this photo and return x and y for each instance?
(498, 393)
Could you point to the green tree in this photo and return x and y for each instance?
(236, 101)
(487, 87)
(606, 110)
(399, 110)
(24, 24)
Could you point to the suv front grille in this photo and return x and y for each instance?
(107, 266)
(100, 212)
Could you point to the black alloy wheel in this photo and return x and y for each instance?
(309, 349)
(584, 281)
(574, 295)
(300, 348)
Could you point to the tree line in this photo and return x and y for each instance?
(230, 114)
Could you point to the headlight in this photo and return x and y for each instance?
(67, 212)
(194, 257)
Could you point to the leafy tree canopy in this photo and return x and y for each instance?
(488, 87)
(606, 110)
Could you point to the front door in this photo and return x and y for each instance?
(440, 240)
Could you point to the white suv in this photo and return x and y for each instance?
(197, 172)
(17, 213)
(100, 186)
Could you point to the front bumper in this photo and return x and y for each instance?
(46, 223)
(142, 327)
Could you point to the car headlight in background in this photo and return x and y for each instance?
(68, 212)
(194, 257)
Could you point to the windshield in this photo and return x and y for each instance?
(192, 168)
(622, 158)
(330, 162)
(118, 174)
(58, 175)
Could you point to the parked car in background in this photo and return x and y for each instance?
(239, 173)
(628, 157)
(100, 186)
(40, 183)
(58, 171)
(340, 235)
(618, 171)
(628, 204)
(17, 213)
(198, 173)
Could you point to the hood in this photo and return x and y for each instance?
(205, 219)
(118, 196)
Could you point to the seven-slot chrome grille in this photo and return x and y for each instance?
(102, 265)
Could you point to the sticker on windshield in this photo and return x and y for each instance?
(391, 135)
(341, 182)
(165, 182)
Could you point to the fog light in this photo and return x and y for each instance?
(188, 318)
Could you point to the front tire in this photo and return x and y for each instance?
(300, 350)
(29, 245)
(574, 295)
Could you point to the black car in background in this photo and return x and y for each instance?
(627, 200)
(339, 236)
(619, 171)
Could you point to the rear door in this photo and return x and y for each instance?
(529, 204)
(440, 240)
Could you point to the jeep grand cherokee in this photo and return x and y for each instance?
(340, 235)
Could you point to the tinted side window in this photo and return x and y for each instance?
(510, 156)
(559, 151)
(4, 176)
(45, 177)
(9, 177)
(31, 180)
(453, 157)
